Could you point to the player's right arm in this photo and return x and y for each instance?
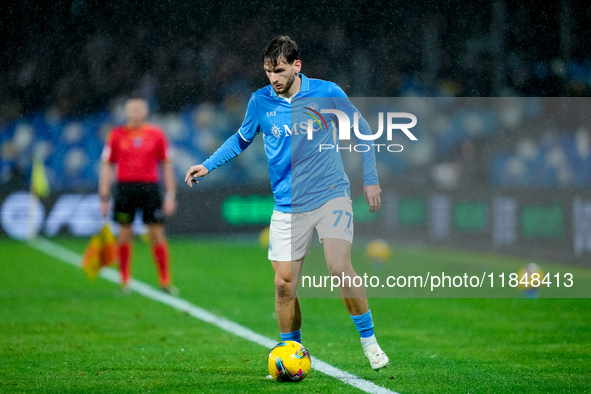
(233, 146)
(195, 172)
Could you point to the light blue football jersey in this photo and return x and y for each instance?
(303, 177)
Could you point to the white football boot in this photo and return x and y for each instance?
(376, 356)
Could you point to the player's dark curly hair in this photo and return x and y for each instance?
(281, 47)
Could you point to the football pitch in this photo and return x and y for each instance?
(61, 333)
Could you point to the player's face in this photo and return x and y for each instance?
(282, 75)
(136, 111)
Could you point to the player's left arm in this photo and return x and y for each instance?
(372, 197)
(371, 184)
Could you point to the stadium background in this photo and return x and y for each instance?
(67, 66)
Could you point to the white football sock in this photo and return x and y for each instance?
(365, 342)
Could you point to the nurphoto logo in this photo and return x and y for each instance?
(344, 129)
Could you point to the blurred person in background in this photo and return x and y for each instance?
(136, 149)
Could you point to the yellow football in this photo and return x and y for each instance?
(289, 361)
(378, 250)
(264, 238)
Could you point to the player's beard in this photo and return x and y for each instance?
(285, 88)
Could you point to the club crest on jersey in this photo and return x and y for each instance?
(315, 115)
(276, 131)
(313, 106)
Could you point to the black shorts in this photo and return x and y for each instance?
(132, 196)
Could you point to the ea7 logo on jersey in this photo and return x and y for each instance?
(276, 131)
(271, 113)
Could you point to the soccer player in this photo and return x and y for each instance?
(136, 149)
(310, 187)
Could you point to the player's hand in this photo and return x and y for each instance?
(372, 197)
(195, 172)
(169, 206)
(104, 208)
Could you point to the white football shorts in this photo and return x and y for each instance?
(291, 233)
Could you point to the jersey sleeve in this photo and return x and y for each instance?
(368, 159)
(250, 126)
(109, 154)
(237, 143)
(233, 146)
(341, 101)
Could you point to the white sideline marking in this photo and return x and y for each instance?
(112, 275)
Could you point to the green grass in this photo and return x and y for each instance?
(61, 333)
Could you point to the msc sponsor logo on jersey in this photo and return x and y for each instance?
(297, 129)
(276, 131)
